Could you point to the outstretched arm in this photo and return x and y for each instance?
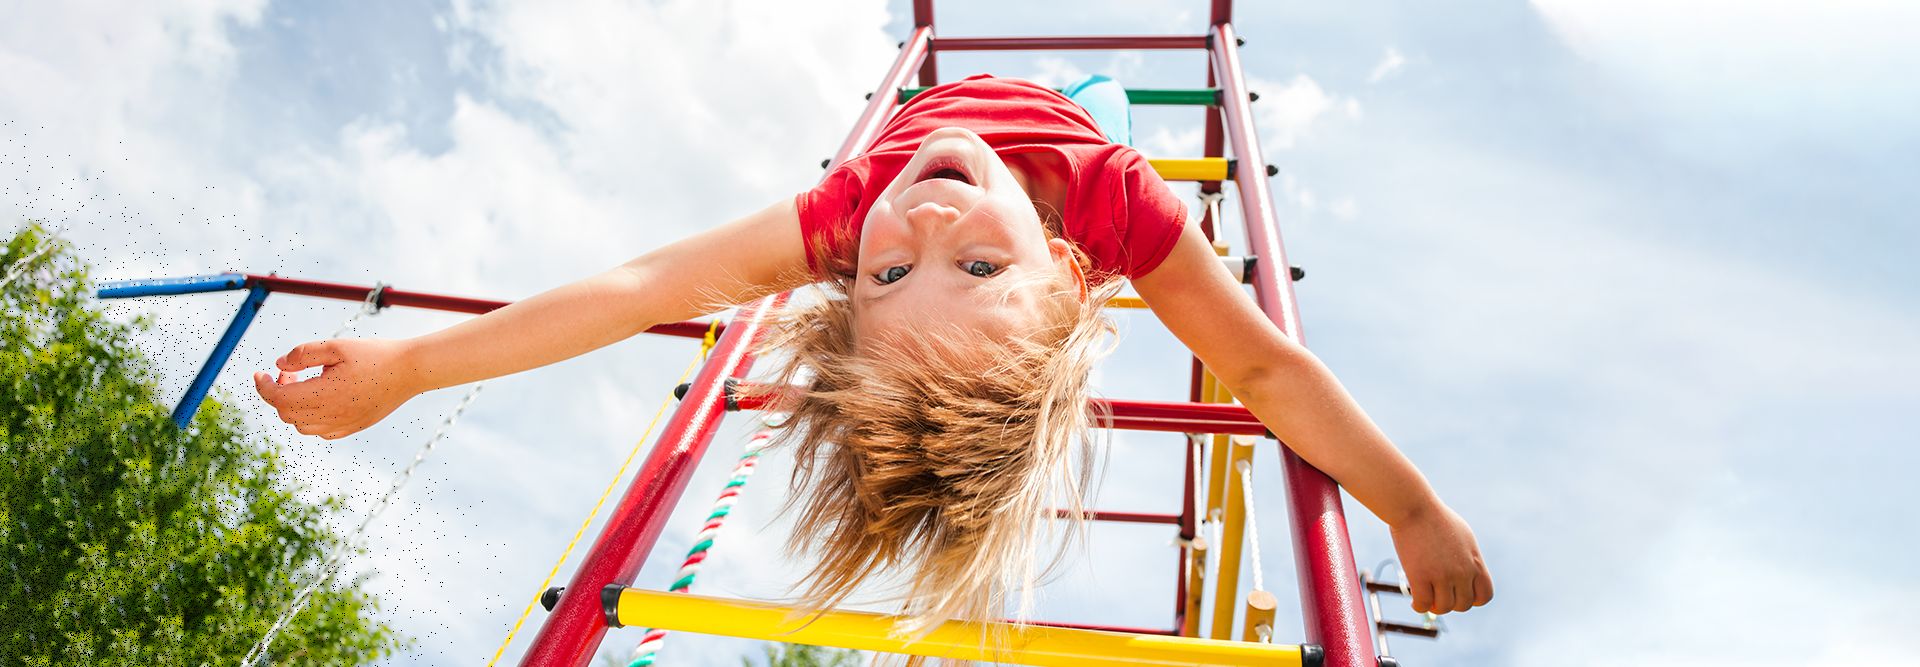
(365, 380)
(1299, 399)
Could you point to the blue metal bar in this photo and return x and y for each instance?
(122, 289)
(196, 392)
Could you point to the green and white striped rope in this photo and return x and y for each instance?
(649, 646)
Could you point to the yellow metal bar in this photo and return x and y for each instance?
(1126, 302)
(1193, 169)
(1226, 579)
(996, 642)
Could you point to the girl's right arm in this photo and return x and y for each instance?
(365, 380)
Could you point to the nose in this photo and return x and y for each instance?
(932, 214)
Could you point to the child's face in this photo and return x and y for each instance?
(953, 226)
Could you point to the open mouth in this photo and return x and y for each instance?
(949, 169)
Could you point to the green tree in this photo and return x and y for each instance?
(125, 540)
(802, 655)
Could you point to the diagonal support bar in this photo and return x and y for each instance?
(1331, 604)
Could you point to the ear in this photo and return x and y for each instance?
(1064, 260)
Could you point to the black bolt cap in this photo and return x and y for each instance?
(551, 597)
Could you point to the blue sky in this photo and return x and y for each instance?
(1631, 282)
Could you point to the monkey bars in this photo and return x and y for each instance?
(1337, 632)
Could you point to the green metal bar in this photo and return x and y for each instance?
(1205, 97)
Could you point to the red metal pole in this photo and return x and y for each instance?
(572, 634)
(923, 18)
(1069, 43)
(1330, 597)
(578, 622)
(407, 299)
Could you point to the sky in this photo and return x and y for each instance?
(1629, 280)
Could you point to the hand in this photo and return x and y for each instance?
(363, 381)
(1442, 562)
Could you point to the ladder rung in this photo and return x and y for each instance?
(1194, 168)
(1023, 644)
(1163, 416)
(1069, 43)
(1409, 629)
(1150, 96)
(1123, 517)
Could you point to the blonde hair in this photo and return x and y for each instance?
(944, 455)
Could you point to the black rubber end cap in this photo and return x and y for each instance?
(1273, 170)
(1311, 655)
(869, 96)
(824, 163)
(1253, 96)
(1239, 41)
(1297, 273)
(610, 601)
(1388, 661)
(551, 597)
(680, 392)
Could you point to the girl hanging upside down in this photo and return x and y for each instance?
(944, 370)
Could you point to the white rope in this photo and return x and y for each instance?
(1253, 528)
(355, 539)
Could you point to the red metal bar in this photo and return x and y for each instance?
(458, 304)
(578, 623)
(1122, 517)
(923, 18)
(1069, 43)
(1222, 12)
(867, 128)
(572, 634)
(1165, 416)
(1187, 511)
(1331, 602)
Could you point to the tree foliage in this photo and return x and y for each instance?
(125, 540)
(802, 655)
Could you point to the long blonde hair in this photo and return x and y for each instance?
(944, 456)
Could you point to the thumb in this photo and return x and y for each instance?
(308, 355)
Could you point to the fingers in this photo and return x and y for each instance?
(1442, 598)
(1422, 594)
(1482, 587)
(308, 355)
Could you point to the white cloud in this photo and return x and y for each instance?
(1288, 112)
(1390, 64)
(1785, 58)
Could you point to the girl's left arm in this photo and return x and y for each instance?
(1299, 399)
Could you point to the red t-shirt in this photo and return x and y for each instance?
(1120, 213)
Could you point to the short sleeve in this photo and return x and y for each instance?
(1149, 218)
(830, 214)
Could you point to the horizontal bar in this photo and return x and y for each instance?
(1043, 646)
(1069, 43)
(1409, 629)
(127, 289)
(1164, 416)
(1194, 169)
(1106, 628)
(1146, 96)
(122, 289)
(1122, 517)
(1382, 587)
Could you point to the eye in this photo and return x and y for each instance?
(980, 268)
(887, 275)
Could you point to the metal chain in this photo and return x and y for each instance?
(355, 539)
